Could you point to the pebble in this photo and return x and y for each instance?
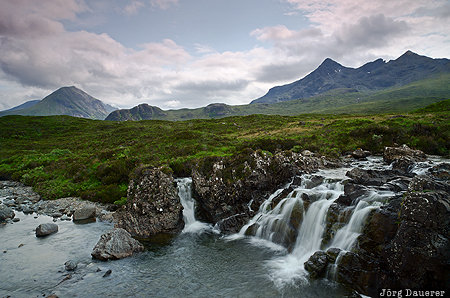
(15, 219)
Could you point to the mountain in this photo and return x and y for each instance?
(401, 99)
(376, 75)
(140, 112)
(69, 101)
(25, 105)
(147, 112)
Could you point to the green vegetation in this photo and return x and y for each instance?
(64, 156)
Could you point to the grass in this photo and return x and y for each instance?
(65, 156)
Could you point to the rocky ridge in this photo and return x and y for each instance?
(406, 242)
(229, 190)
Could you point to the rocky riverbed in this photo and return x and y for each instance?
(285, 224)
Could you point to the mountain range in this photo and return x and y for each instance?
(69, 101)
(376, 75)
(410, 82)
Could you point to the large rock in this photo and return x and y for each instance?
(404, 153)
(405, 244)
(228, 186)
(419, 253)
(317, 264)
(153, 205)
(85, 213)
(360, 153)
(116, 244)
(5, 213)
(46, 229)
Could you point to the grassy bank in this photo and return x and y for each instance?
(65, 156)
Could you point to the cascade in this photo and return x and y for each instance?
(302, 216)
(191, 225)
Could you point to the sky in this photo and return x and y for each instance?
(190, 53)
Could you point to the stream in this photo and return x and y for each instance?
(200, 262)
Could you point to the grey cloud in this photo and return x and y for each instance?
(212, 86)
(370, 32)
(284, 71)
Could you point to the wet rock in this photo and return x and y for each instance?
(317, 264)
(360, 153)
(116, 244)
(232, 223)
(361, 273)
(404, 244)
(70, 265)
(352, 192)
(426, 183)
(107, 273)
(441, 171)
(46, 229)
(6, 213)
(85, 213)
(224, 186)
(403, 152)
(65, 217)
(153, 205)
(332, 254)
(15, 219)
(27, 210)
(399, 185)
(367, 177)
(9, 203)
(282, 195)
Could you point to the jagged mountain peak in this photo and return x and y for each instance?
(329, 64)
(374, 75)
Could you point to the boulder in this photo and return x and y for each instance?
(403, 152)
(116, 244)
(85, 213)
(426, 183)
(405, 244)
(418, 254)
(224, 186)
(441, 171)
(153, 205)
(46, 229)
(317, 264)
(360, 153)
(6, 213)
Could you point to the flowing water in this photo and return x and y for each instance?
(199, 262)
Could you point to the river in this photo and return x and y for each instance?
(200, 262)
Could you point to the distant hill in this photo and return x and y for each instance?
(25, 105)
(140, 112)
(376, 75)
(69, 101)
(343, 100)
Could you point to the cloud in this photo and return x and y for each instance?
(133, 7)
(163, 4)
(39, 54)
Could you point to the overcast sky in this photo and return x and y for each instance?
(189, 53)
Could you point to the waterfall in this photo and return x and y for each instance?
(301, 216)
(191, 225)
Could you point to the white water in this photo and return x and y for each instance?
(191, 225)
(270, 221)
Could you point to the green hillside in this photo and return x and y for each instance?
(396, 100)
